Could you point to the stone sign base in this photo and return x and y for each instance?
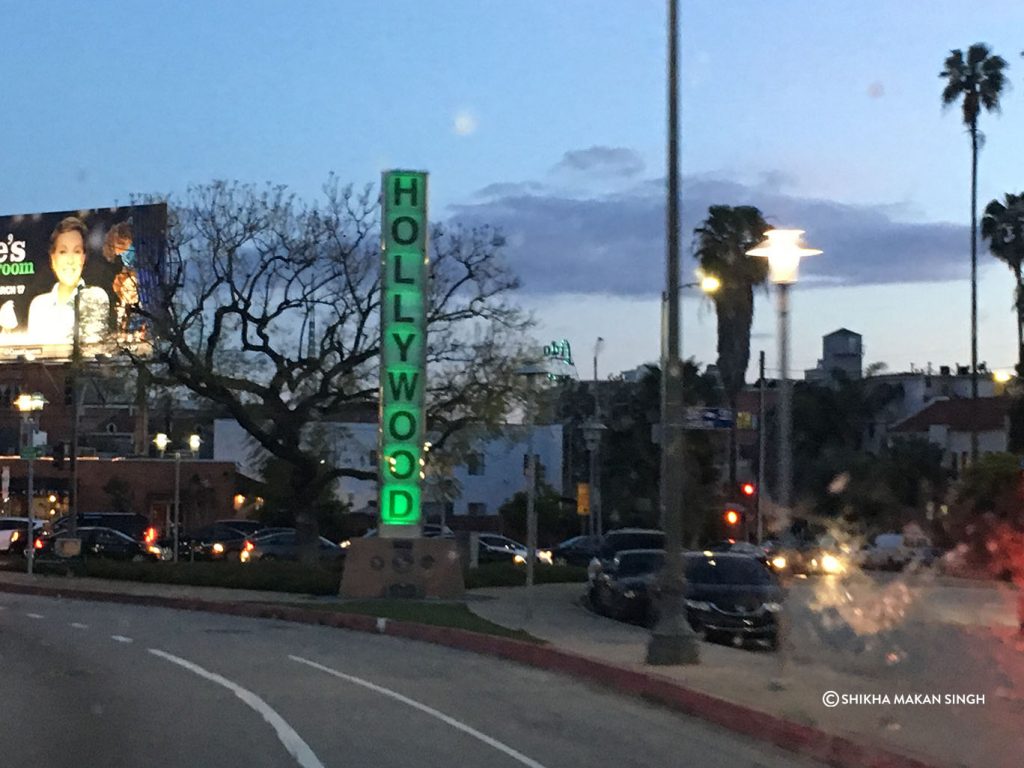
(413, 568)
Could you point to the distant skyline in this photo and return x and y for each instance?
(547, 119)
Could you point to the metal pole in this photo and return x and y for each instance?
(177, 501)
(672, 641)
(76, 362)
(785, 478)
(595, 503)
(30, 542)
(761, 434)
(531, 515)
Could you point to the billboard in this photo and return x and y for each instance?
(105, 262)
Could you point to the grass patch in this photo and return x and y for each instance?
(450, 614)
(511, 575)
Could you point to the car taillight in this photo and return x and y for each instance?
(150, 535)
(249, 546)
(39, 544)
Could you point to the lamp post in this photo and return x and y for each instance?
(592, 430)
(29, 405)
(672, 641)
(161, 441)
(783, 249)
(530, 372)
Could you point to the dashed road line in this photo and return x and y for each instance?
(448, 720)
(78, 625)
(34, 615)
(291, 740)
(121, 639)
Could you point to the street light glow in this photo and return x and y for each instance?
(783, 249)
(1002, 377)
(161, 441)
(194, 441)
(710, 283)
(27, 403)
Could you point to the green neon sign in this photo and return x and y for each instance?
(403, 369)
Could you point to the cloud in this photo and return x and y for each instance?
(601, 161)
(613, 243)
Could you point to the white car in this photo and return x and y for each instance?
(12, 529)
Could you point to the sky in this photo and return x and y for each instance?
(547, 119)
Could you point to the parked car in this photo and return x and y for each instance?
(134, 525)
(624, 588)
(284, 545)
(895, 551)
(727, 594)
(105, 543)
(14, 534)
(579, 550)
(620, 540)
(216, 542)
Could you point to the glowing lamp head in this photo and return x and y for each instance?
(161, 441)
(783, 249)
(194, 441)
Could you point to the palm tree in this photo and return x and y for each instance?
(979, 81)
(722, 242)
(1003, 227)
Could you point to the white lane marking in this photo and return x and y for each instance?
(76, 625)
(121, 639)
(457, 724)
(291, 740)
(34, 615)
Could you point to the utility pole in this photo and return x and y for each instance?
(761, 435)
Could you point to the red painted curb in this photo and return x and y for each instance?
(836, 751)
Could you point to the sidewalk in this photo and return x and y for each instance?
(990, 735)
(788, 685)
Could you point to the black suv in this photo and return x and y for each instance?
(621, 540)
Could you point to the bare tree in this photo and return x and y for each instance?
(272, 312)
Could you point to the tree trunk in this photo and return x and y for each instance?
(1020, 321)
(974, 292)
(733, 436)
(306, 490)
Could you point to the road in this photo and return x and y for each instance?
(90, 684)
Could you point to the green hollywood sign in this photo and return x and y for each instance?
(403, 372)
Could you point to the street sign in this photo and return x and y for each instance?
(582, 499)
(30, 453)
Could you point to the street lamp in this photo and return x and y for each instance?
(161, 441)
(531, 372)
(592, 430)
(783, 249)
(29, 405)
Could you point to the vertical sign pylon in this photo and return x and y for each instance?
(403, 371)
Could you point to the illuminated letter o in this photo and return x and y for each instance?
(393, 425)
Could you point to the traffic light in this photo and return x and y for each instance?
(732, 517)
(58, 456)
(748, 490)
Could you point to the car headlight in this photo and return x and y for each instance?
(244, 556)
(779, 563)
(15, 536)
(698, 605)
(218, 548)
(345, 544)
(773, 607)
(518, 559)
(544, 555)
(153, 549)
(831, 564)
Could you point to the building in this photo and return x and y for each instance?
(948, 424)
(842, 356)
(906, 394)
(491, 474)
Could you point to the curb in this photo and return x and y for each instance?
(804, 740)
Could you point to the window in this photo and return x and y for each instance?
(477, 509)
(476, 464)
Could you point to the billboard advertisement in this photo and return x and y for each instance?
(88, 270)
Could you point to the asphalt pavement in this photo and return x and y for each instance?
(96, 684)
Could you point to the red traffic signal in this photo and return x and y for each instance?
(731, 517)
(748, 489)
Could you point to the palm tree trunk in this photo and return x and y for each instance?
(1020, 321)
(974, 291)
(732, 448)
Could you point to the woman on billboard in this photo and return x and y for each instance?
(51, 315)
